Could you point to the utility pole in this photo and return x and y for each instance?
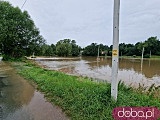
(150, 54)
(115, 51)
(142, 52)
(142, 59)
(98, 54)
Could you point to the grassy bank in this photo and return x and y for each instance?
(81, 98)
(152, 57)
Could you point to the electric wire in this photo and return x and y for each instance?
(24, 4)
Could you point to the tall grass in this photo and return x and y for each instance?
(82, 99)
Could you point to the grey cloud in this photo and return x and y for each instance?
(89, 21)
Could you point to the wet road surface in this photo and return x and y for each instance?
(20, 101)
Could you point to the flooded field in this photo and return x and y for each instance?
(20, 101)
(131, 71)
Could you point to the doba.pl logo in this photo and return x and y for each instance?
(136, 113)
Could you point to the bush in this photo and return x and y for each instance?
(6, 58)
(134, 56)
(9, 58)
(147, 56)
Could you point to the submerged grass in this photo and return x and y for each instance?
(82, 99)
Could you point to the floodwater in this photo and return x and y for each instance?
(20, 101)
(133, 72)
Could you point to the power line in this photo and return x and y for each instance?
(24, 4)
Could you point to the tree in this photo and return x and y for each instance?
(103, 49)
(67, 47)
(53, 48)
(64, 47)
(92, 50)
(152, 44)
(46, 50)
(75, 48)
(18, 34)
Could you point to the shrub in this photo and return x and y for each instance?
(147, 56)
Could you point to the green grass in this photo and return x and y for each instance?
(82, 99)
(155, 56)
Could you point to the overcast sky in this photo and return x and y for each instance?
(88, 21)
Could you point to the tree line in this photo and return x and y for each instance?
(64, 48)
(151, 46)
(69, 47)
(20, 37)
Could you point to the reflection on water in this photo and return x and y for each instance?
(20, 101)
(131, 71)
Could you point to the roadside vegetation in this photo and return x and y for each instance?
(81, 98)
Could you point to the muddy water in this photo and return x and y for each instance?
(132, 71)
(20, 101)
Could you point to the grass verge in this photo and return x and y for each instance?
(82, 99)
